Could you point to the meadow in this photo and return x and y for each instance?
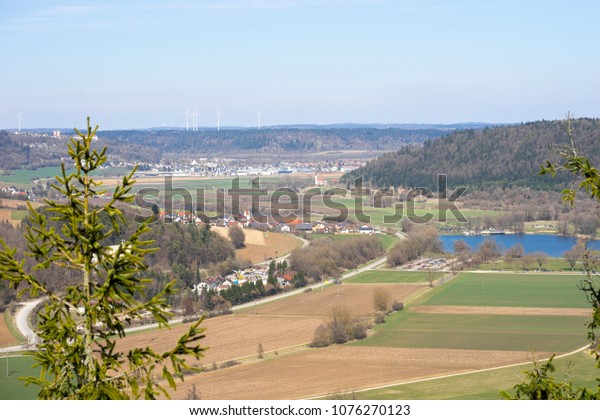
(481, 332)
(11, 369)
(551, 264)
(512, 289)
(503, 319)
(394, 276)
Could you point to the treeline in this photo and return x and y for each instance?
(419, 239)
(519, 205)
(502, 156)
(327, 257)
(515, 256)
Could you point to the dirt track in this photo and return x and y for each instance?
(338, 369)
(500, 310)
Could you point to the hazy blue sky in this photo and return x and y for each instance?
(132, 64)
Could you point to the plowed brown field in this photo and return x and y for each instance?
(233, 336)
(358, 298)
(339, 369)
(6, 338)
(260, 246)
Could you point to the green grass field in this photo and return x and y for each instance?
(525, 290)
(578, 368)
(551, 264)
(481, 332)
(389, 276)
(11, 388)
(491, 332)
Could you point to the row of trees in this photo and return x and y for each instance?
(342, 327)
(489, 250)
(419, 240)
(328, 257)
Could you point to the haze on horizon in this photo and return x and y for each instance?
(143, 64)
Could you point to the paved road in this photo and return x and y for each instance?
(23, 314)
(22, 324)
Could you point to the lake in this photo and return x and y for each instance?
(553, 245)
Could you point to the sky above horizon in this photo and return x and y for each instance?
(140, 64)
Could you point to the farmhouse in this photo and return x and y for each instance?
(304, 227)
(366, 230)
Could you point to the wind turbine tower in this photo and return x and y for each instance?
(196, 115)
(259, 113)
(19, 116)
(187, 119)
(219, 113)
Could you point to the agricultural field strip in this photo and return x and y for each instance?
(356, 297)
(507, 289)
(388, 276)
(234, 337)
(500, 310)
(339, 369)
(452, 375)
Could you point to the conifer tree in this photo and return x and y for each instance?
(79, 328)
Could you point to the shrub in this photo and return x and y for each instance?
(381, 299)
(358, 331)
(379, 317)
(397, 306)
(322, 337)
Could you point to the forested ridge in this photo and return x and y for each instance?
(268, 141)
(31, 151)
(502, 155)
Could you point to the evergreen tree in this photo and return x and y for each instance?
(79, 327)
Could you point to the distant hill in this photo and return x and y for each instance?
(37, 148)
(145, 145)
(501, 155)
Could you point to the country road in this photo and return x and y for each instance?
(27, 307)
(22, 324)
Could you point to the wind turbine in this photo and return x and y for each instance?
(219, 113)
(258, 113)
(196, 115)
(187, 119)
(19, 115)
